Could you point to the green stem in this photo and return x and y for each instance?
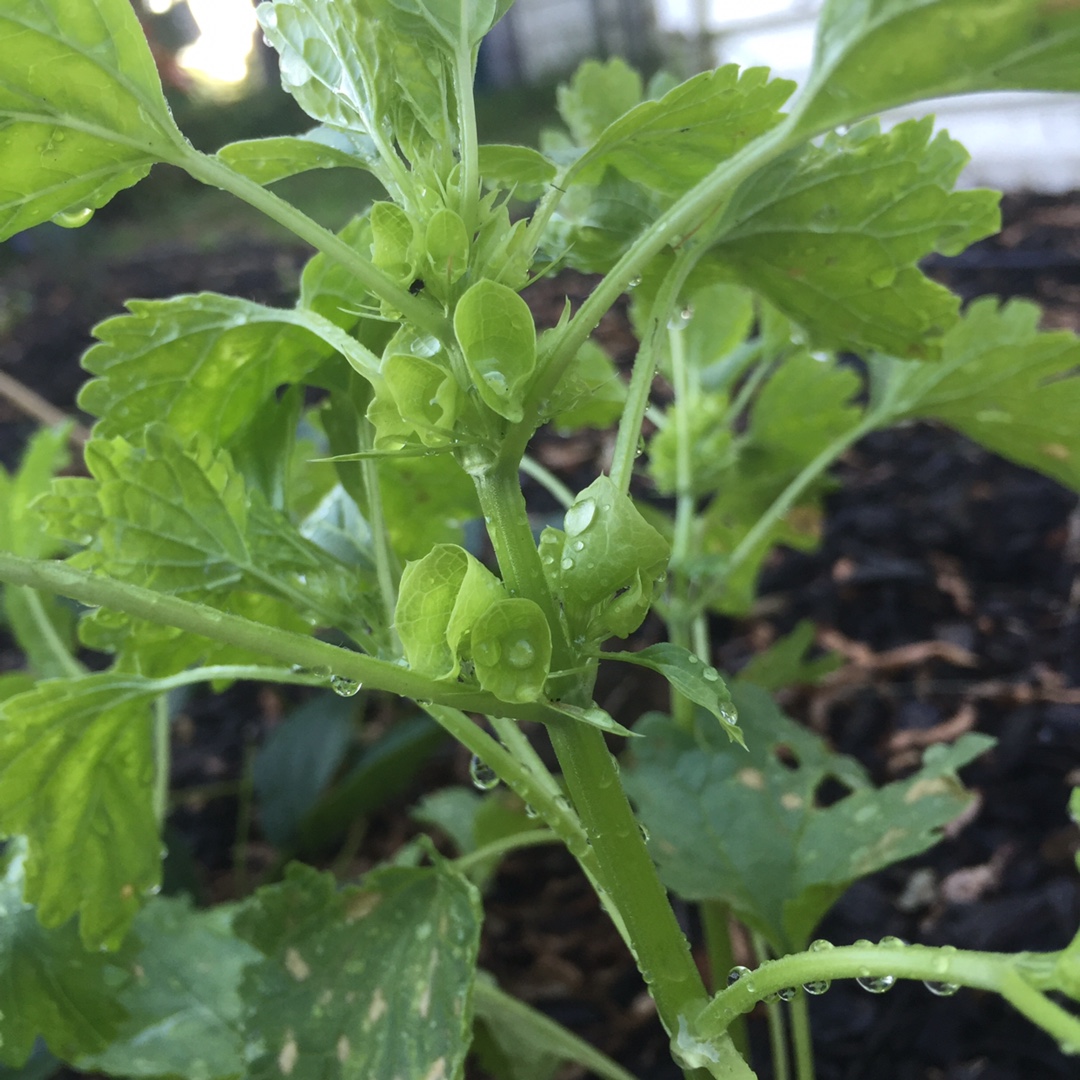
(421, 313)
(469, 147)
(800, 1037)
(553, 485)
(515, 740)
(783, 503)
(161, 759)
(645, 364)
(627, 873)
(503, 846)
(59, 652)
(385, 570)
(670, 229)
(99, 591)
(715, 923)
(1040, 1010)
(981, 970)
(778, 1045)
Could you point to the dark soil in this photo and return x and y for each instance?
(947, 578)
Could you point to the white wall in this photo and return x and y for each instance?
(1015, 140)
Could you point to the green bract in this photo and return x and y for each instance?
(330, 496)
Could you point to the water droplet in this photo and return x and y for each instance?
(644, 832)
(579, 517)
(818, 986)
(496, 380)
(531, 811)
(73, 218)
(578, 545)
(941, 964)
(710, 674)
(521, 654)
(482, 775)
(343, 686)
(487, 652)
(640, 448)
(634, 282)
(785, 993)
(567, 564)
(737, 973)
(878, 984)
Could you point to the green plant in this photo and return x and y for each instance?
(207, 547)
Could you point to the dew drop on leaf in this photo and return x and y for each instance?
(73, 218)
(344, 686)
(737, 973)
(482, 775)
(521, 654)
(567, 564)
(710, 674)
(579, 517)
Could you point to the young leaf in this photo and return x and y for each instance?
(82, 114)
(344, 968)
(519, 168)
(203, 364)
(394, 241)
(183, 1004)
(999, 381)
(447, 247)
(822, 234)
(590, 394)
(268, 160)
(872, 55)
(671, 144)
(440, 598)
(495, 330)
(599, 92)
(76, 778)
(330, 290)
(52, 986)
(699, 682)
(747, 829)
(607, 564)
(511, 649)
(784, 662)
(459, 24)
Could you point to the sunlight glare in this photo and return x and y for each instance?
(226, 38)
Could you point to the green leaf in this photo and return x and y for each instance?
(1001, 382)
(823, 234)
(440, 598)
(76, 778)
(460, 24)
(331, 290)
(43, 625)
(394, 241)
(700, 683)
(202, 364)
(599, 93)
(424, 400)
(784, 662)
(494, 328)
(671, 144)
(595, 717)
(712, 811)
(521, 169)
(872, 55)
(426, 501)
(183, 1004)
(344, 969)
(511, 649)
(590, 393)
(608, 548)
(268, 160)
(82, 114)
(51, 986)
(447, 247)
(297, 762)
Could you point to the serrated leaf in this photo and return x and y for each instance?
(346, 972)
(202, 364)
(599, 92)
(872, 55)
(671, 144)
(700, 683)
(76, 778)
(51, 986)
(183, 1004)
(511, 649)
(746, 828)
(822, 234)
(999, 381)
(82, 114)
(268, 160)
(440, 598)
(495, 330)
